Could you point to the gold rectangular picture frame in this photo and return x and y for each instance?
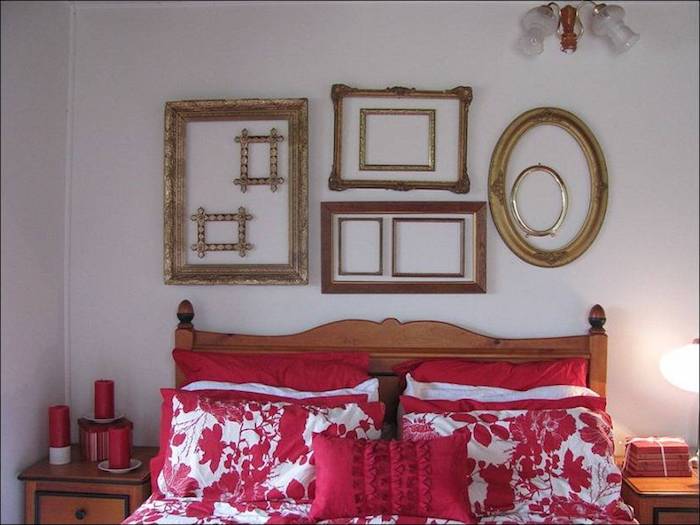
(338, 182)
(367, 166)
(176, 268)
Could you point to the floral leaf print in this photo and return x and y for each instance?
(574, 472)
(212, 446)
(595, 433)
(295, 490)
(482, 435)
(499, 431)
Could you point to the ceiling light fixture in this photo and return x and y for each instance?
(545, 20)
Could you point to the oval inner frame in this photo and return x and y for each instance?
(563, 192)
(597, 171)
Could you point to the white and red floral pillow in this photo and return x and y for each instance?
(235, 450)
(555, 461)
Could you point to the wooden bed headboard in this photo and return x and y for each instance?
(390, 342)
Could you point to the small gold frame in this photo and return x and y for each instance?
(530, 231)
(462, 260)
(343, 220)
(272, 180)
(463, 94)
(366, 166)
(176, 248)
(597, 171)
(202, 246)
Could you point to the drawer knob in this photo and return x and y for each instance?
(80, 514)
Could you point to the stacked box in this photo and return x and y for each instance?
(94, 437)
(656, 457)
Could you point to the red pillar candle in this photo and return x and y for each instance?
(119, 447)
(104, 399)
(59, 426)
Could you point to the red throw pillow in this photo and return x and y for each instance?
(166, 415)
(314, 371)
(357, 477)
(514, 376)
(438, 406)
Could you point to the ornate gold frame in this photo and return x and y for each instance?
(336, 181)
(175, 267)
(597, 170)
(366, 166)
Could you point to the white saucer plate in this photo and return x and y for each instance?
(133, 465)
(103, 420)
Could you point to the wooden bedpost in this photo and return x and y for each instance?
(598, 364)
(184, 334)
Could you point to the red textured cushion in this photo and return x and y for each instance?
(166, 415)
(438, 406)
(514, 376)
(356, 477)
(314, 371)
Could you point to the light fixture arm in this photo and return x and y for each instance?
(547, 19)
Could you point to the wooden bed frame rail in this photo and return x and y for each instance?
(390, 342)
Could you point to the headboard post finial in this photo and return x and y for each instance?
(185, 313)
(597, 319)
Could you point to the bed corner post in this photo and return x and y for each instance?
(184, 334)
(598, 346)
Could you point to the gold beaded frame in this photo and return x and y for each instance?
(176, 217)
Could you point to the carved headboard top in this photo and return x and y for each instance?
(390, 342)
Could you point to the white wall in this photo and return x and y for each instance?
(35, 56)
(642, 106)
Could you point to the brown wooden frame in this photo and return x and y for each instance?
(390, 342)
(379, 220)
(336, 181)
(328, 209)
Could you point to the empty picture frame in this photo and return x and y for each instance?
(403, 247)
(400, 138)
(236, 192)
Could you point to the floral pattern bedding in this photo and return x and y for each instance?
(529, 463)
(195, 510)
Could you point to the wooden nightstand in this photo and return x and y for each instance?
(663, 500)
(79, 492)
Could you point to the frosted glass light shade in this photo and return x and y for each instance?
(681, 367)
(607, 21)
(538, 23)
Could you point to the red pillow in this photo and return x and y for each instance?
(502, 374)
(358, 477)
(166, 414)
(438, 406)
(314, 371)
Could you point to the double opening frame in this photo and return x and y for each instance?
(403, 247)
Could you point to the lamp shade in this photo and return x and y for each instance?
(538, 23)
(607, 21)
(680, 367)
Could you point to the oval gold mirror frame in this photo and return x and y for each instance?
(597, 171)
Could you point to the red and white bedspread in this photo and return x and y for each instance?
(194, 510)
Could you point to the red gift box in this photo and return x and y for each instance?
(94, 437)
(658, 464)
(645, 446)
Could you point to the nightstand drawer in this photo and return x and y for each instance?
(70, 507)
(664, 516)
